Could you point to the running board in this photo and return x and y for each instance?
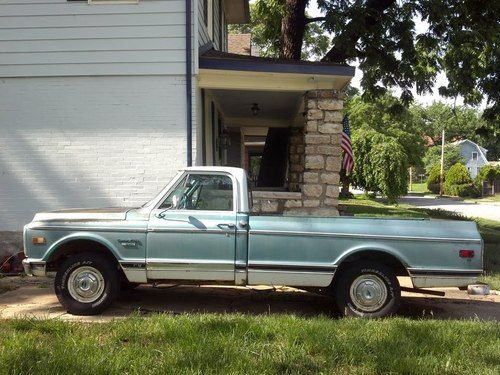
(423, 291)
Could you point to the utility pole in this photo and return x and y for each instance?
(411, 177)
(441, 176)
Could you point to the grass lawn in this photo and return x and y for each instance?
(490, 229)
(419, 188)
(494, 198)
(238, 344)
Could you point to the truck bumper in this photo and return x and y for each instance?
(429, 279)
(34, 267)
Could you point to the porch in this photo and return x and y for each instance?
(278, 119)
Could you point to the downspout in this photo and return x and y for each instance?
(189, 85)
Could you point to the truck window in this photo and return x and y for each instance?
(202, 192)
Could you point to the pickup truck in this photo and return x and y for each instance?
(199, 229)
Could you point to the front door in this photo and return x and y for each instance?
(191, 234)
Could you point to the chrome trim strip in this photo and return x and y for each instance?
(291, 267)
(372, 236)
(443, 272)
(190, 266)
(190, 231)
(93, 229)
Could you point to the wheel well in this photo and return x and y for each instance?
(376, 256)
(74, 247)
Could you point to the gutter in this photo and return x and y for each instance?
(189, 85)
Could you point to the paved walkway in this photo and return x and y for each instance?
(484, 210)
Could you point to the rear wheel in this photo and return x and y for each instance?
(369, 290)
(86, 284)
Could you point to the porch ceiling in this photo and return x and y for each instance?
(275, 108)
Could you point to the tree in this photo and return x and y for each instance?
(265, 26)
(432, 157)
(461, 40)
(386, 140)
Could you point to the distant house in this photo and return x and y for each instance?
(473, 154)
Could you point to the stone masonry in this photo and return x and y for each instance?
(315, 156)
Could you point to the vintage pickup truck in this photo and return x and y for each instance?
(199, 229)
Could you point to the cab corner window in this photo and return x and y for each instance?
(202, 192)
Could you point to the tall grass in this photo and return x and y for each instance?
(238, 344)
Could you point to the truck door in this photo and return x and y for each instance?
(192, 233)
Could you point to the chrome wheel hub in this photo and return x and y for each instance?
(86, 284)
(368, 293)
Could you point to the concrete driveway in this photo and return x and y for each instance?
(484, 210)
(36, 299)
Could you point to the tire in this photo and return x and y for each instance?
(368, 290)
(87, 283)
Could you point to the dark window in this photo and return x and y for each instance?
(202, 192)
(474, 156)
(205, 12)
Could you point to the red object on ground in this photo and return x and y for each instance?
(12, 264)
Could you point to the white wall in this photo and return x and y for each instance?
(67, 38)
(87, 141)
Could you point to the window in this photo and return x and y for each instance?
(205, 12)
(201, 192)
(474, 156)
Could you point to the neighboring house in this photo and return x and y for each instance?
(101, 102)
(473, 154)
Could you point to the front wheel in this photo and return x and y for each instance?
(86, 284)
(369, 290)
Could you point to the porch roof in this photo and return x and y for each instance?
(213, 59)
(232, 71)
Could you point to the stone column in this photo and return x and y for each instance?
(322, 155)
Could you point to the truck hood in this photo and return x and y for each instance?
(92, 214)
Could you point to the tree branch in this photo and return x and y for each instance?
(352, 32)
(315, 19)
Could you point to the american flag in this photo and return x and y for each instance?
(346, 145)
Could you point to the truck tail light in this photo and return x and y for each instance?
(466, 253)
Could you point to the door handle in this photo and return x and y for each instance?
(226, 226)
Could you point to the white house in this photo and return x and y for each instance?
(473, 155)
(101, 102)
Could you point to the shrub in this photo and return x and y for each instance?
(458, 182)
(488, 173)
(462, 190)
(433, 179)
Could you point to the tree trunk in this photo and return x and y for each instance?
(292, 29)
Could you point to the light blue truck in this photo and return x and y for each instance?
(199, 230)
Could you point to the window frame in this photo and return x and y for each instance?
(477, 156)
(216, 173)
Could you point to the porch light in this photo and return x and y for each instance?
(255, 109)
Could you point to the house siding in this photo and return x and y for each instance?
(218, 26)
(87, 142)
(61, 38)
(473, 166)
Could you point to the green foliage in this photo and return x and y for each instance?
(458, 174)
(459, 122)
(459, 183)
(489, 173)
(433, 181)
(381, 164)
(433, 156)
(461, 40)
(265, 27)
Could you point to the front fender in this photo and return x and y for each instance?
(81, 236)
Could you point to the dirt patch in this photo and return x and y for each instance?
(34, 297)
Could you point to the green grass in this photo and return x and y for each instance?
(489, 229)
(493, 198)
(238, 344)
(419, 188)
